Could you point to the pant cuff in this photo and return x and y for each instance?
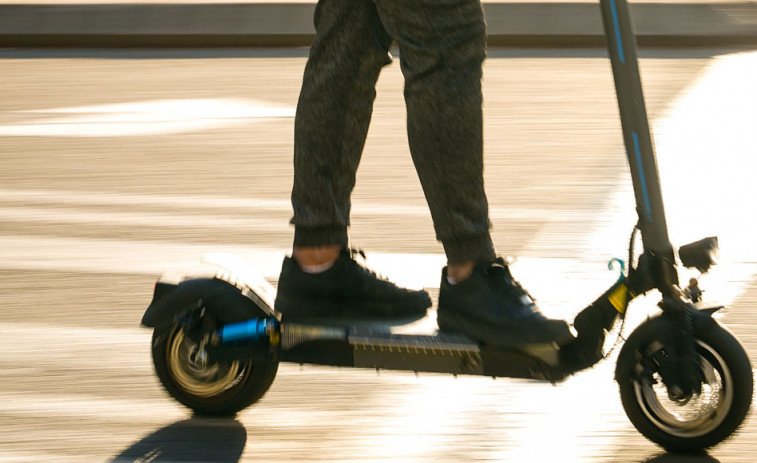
(320, 236)
(473, 248)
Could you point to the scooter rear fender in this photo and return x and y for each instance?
(227, 301)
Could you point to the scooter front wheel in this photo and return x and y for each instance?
(697, 421)
(211, 389)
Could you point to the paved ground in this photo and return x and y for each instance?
(118, 165)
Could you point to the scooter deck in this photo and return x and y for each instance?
(379, 348)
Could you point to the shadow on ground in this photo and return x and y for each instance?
(678, 458)
(192, 440)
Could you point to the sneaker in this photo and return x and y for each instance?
(345, 292)
(492, 308)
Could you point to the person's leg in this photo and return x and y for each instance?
(442, 48)
(332, 119)
(323, 280)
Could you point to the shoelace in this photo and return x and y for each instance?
(354, 252)
(500, 274)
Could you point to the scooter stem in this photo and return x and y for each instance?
(637, 136)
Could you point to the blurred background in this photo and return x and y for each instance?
(134, 138)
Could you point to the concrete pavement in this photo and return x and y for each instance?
(228, 23)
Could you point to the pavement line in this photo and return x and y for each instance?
(152, 117)
(84, 198)
(71, 348)
(155, 258)
(87, 406)
(140, 219)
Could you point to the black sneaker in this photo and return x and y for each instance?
(492, 308)
(346, 292)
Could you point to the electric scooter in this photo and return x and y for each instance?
(685, 381)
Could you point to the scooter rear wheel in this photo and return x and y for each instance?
(211, 389)
(696, 422)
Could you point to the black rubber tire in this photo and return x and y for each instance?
(245, 384)
(720, 353)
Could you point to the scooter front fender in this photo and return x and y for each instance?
(701, 317)
(226, 301)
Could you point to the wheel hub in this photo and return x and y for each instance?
(692, 415)
(188, 365)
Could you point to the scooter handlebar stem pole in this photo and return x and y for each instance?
(637, 137)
